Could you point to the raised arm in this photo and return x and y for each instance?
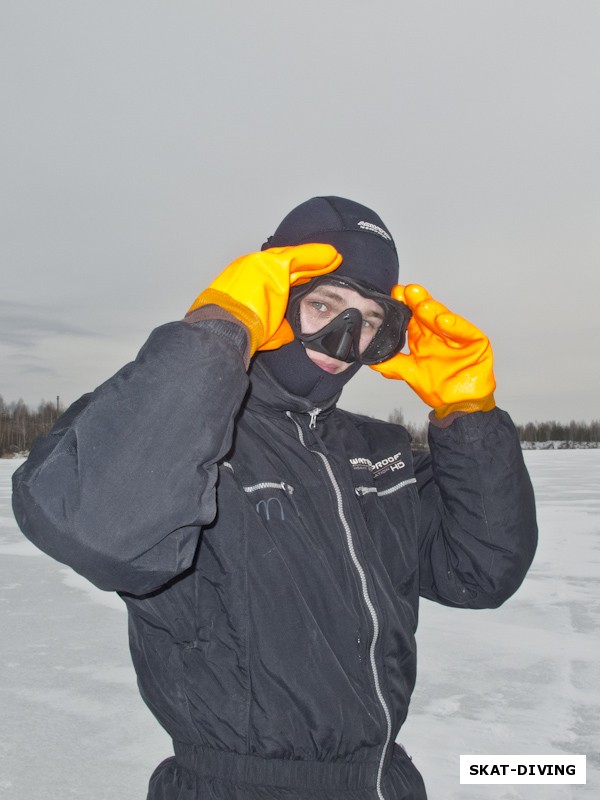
(478, 531)
(123, 484)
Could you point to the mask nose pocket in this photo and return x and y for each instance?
(341, 338)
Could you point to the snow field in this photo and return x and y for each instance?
(524, 678)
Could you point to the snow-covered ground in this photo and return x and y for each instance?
(524, 678)
(559, 444)
(521, 679)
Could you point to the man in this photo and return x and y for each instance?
(270, 547)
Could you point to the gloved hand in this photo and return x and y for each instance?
(450, 363)
(255, 288)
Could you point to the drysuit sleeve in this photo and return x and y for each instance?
(478, 529)
(123, 484)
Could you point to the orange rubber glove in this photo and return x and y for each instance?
(255, 288)
(450, 363)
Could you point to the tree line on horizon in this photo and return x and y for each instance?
(20, 426)
(571, 432)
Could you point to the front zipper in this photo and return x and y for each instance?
(365, 591)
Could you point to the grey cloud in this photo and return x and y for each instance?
(22, 357)
(38, 370)
(22, 325)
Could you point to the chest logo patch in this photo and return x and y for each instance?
(391, 463)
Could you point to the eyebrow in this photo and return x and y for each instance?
(332, 295)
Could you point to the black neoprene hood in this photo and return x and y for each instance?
(369, 257)
(358, 234)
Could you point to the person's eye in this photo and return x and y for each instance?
(372, 324)
(319, 306)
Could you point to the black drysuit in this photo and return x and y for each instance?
(271, 557)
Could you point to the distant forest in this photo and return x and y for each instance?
(21, 425)
(571, 434)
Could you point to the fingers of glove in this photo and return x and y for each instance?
(277, 268)
(414, 294)
(422, 328)
(448, 324)
(426, 313)
(306, 261)
(454, 331)
(438, 318)
(458, 330)
(413, 332)
(428, 336)
(431, 315)
(398, 293)
(283, 335)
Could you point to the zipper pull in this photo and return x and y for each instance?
(313, 418)
(361, 491)
(289, 490)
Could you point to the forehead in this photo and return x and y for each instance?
(344, 297)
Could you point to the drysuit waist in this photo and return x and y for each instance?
(284, 773)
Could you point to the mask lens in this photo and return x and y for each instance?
(323, 304)
(390, 337)
(347, 321)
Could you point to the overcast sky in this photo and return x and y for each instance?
(147, 144)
